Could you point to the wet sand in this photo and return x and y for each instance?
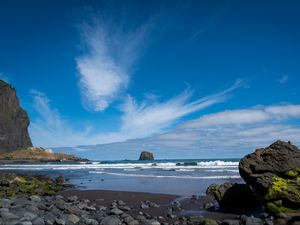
(190, 207)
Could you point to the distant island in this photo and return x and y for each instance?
(146, 156)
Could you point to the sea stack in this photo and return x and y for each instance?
(146, 156)
(14, 120)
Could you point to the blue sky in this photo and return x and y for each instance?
(181, 78)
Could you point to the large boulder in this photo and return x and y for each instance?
(146, 156)
(13, 120)
(234, 196)
(274, 174)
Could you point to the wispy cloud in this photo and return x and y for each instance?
(231, 133)
(246, 116)
(283, 79)
(148, 118)
(105, 66)
(139, 120)
(50, 129)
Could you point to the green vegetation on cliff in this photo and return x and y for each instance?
(37, 154)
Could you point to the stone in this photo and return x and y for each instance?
(49, 218)
(146, 156)
(208, 221)
(13, 119)
(234, 196)
(230, 222)
(153, 222)
(5, 203)
(28, 216)
(251, 221)
(124, 208)
(144, 205)
(38, 221)
(129, 220)
(72, 198)
(116, 211)
(110, 220)
(196, 219)
(4, 210)
(274, 174)
(89, 221)
(59, 221)
(35, 198)
(8, 216)
(24, 223)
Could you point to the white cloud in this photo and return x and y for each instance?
(283, 79)
(146, 118)
(50, 129)
(229, 117)
(231, 133)
(246, 116)
(105, 67)
(284, 111)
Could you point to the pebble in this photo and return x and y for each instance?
(35, 198)
(110, 220)
(59, 221)
(73, 219)
(55, 210)
(72, 198)
(8, 216)
(38, 221)
(116, 211)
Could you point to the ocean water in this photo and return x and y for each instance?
(180, 177)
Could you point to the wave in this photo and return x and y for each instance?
(185, 170)
(217, 164)
(131, 169)
(223, 170)
(163, 176)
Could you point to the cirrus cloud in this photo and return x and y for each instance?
(105, 65)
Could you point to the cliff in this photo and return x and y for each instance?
(14, 120)
(15, 143)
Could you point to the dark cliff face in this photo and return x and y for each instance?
(14, 120)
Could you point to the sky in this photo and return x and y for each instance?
(184, 79)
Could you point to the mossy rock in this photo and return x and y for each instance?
(234, 196)
(208, 221)
(284, 195)
(27, 185)
(293, 173)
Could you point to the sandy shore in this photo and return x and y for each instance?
(190, 207)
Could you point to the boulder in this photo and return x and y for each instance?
(14, 120)
(234, 196)
(146, 156)
(274, 174)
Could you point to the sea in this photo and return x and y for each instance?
(184, 177)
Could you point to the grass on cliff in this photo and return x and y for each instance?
(37, 154)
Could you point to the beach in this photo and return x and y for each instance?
(182, 177)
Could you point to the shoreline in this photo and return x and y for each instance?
(60, 206)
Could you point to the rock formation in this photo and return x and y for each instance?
(146, 156)
(13, 120)
(274, 174)
(234, 196)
